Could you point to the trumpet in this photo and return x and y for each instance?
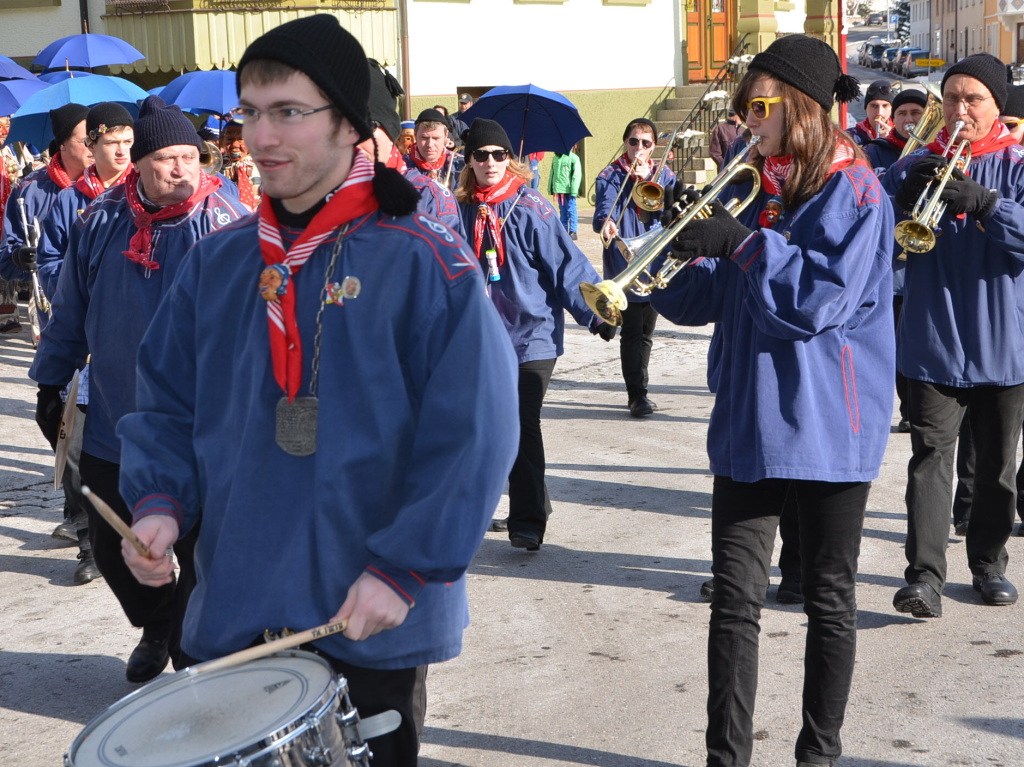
(917, 234)
(608, 298)
(927, 128)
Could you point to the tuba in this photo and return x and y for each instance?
(925, 131)
(608, 298)
(210, 159)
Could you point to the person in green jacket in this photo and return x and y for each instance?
(564, 183)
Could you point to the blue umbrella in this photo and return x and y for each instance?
(60, 75)
(536, 120)
(31, 123)
(204, 91)
(13, 94)
(9, 70)
(86, 50)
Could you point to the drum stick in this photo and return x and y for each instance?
(116, 522)
(261, 650)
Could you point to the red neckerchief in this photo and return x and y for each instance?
(894, 139)
(485, 218)
(998, 138)
(91, 186)
(396, 160)
(630, 169)
(142, 241)
(354, 198)
(776, 170)
(428, 169)
(55, 170)
(241, 178)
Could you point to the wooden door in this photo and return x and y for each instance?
(708, 37)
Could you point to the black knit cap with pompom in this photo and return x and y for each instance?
(320, 48)
(810, 66)
(985, 67)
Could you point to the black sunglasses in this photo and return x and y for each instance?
(499, 155)
(634, 141)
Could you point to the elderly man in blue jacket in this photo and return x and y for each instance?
(122, 257)
(961, 342)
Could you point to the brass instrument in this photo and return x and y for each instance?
(608, 297)
(611, 210)
(32, 240)
(649, 196)
(925, 131)
(210, 159)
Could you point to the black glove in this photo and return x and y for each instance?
(917, 178)
(25, 258)
(606, 330)
(714, 237)
(676, 199)
(965, 195)
(49, 408)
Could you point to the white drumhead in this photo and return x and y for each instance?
(189, 719)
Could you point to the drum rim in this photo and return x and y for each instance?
(320, 706)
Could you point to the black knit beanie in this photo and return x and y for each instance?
(384, 90)
(639, 121)
(320, 48)
(1014, 102)
(64, 121)
(879, 90)
(810, 66)
(910, 96)
(485, 133)
(985, 67)
(160, 126)
(104, 117)
(431, 116)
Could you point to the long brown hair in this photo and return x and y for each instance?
(808, 134)
(467, 179)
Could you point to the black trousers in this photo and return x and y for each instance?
(528, 504)
(901, 380)
(157, 610)
(635, 342)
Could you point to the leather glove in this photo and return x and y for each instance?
(714, 237)
(49, 408)
(965, 195)
(599, 327)
(25, 258)
(917, 178)
(677, 198)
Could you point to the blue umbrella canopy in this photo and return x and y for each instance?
(13, 93)
(211, 91)
(535, 119)
(9, 70)
(60, 75)
(31, 123)
(86, 50)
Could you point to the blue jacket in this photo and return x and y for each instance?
(39, 193)
(963, 300)
(104, 303)
(540, 277)
(802, 359)
(609, 181)
(418, 428)
(436, 200)
(67, 208)
(453, 177)
(881, 154)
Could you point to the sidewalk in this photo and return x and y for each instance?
(590, 652)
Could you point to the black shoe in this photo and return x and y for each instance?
(572, 235)
(641, 406)
(995, 589)
(904, 426)
(707, 589)
(86, 572)
(498, 525)
(68, 529)
(919, 599)
(148, 660)
(528, 541)
(960, 528)
(789, 593)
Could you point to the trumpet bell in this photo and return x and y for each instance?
(915, 237)
(648, 196)
(210, 159)
(606, 299)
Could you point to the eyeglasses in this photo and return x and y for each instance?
(761, 106)
(972, 102)
(1011, 125)
(499, 155)
(277, 115)
(634, 141)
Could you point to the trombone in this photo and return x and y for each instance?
(608, 298)
(918, 233)
(611, 210)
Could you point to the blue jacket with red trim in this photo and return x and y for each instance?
(104, 303)
(39, 193)
(418, 427)
(964, 299)
(802, 359)
(436, 200)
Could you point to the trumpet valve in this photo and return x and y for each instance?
(606, 299)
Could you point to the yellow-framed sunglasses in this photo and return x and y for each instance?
(761, 106)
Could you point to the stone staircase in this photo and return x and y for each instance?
(701, 169)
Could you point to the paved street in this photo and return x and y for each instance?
(590, 652)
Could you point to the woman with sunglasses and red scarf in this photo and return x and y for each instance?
(616, 214)
(799, 288)
(533, 271)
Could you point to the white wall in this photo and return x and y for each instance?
(26, 31)
(792, 22)
(577, 45)
(920, 24)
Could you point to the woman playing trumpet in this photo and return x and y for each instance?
(801, 363)
(616, 215)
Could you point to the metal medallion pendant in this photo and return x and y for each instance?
(296, 425)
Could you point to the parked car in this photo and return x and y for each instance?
(875, 19)
(910, 65)
(875, 55)
(887, 58)
(901, 56)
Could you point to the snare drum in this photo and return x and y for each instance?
(285, 709)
